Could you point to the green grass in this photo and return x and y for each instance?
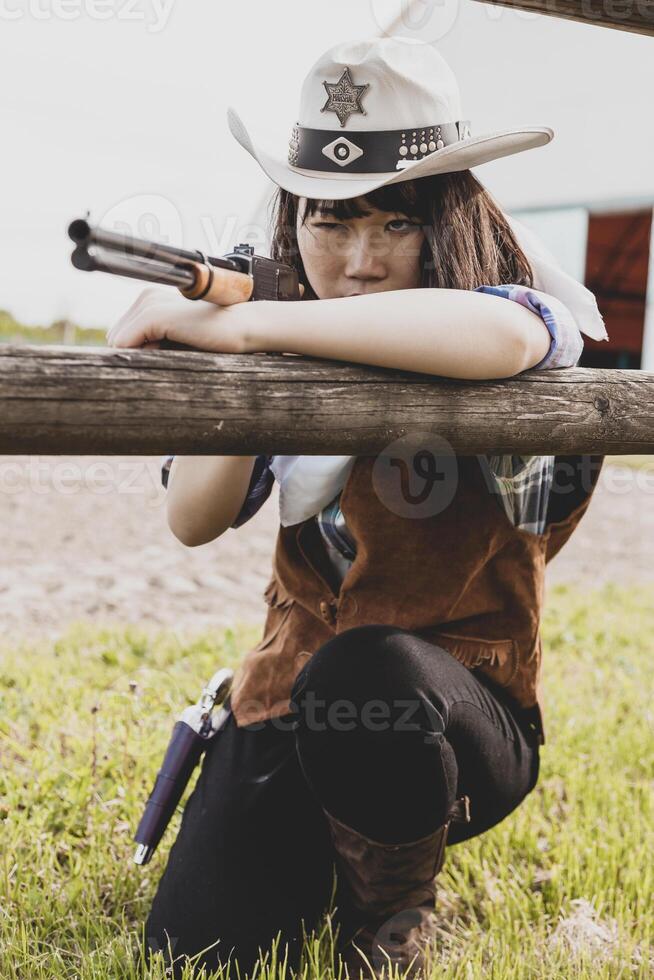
(84, 722)
(13, 332)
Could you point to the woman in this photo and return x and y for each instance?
(393, 704)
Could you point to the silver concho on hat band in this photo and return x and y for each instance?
(342, 151)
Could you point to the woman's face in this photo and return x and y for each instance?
(377, 252)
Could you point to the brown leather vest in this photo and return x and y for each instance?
(465, 578)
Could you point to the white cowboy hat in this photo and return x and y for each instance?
(387, 109)
(376, 112)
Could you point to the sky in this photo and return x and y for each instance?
(119, 107)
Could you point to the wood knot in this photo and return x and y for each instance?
(601, 404)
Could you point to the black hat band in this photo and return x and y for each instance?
(382, 151)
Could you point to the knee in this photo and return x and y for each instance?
(368, 668)
(343, 665)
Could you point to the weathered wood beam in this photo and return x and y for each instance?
(636, 16)
(88, 400)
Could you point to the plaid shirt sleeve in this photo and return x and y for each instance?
(566, 342)
(566, 347)
(261, 483)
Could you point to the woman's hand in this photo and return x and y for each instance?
(159, 313)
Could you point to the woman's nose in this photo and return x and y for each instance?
(365, 258)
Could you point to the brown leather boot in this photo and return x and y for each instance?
(387, 896)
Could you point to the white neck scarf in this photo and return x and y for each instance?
(309, 483)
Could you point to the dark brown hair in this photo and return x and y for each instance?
(468, 242)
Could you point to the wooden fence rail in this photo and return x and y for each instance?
(622, 15)
(83, 400)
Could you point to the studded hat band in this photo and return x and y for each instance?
(370, 152)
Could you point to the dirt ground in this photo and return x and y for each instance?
(86, 537)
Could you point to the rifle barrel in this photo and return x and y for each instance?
(152, 270)
(84, 234)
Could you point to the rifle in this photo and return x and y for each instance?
(236, 277)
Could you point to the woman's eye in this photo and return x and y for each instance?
(403, 221)
(396, 221)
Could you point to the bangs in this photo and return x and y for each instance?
(402, 197)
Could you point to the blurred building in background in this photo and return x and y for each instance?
(608, 246)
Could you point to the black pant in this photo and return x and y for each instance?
(387, 730)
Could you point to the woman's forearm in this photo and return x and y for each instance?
(205, 495)
(454, 333)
